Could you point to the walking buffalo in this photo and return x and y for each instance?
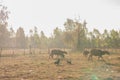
(58, 53)
(85, 53)
(97, 52)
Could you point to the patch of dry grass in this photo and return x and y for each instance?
(40, 67)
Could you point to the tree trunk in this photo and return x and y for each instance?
(0, 52)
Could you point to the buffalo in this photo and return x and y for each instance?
(85, 53)
(97, 52)
(57, 62)
(58, 53)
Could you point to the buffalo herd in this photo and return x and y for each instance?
(87, 53)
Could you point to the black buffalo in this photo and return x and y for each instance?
(85, 53)
(58, 53)
(97, 52)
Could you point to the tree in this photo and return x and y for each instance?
(12, 38)
(76, 33)
(58, 38)
(3, 15)
(31, 38)
(43, 40)
(81, 32)
(92, 39)
(36, 39)
(105, 39)
(114, 35)
(69, 35)
(78, 25)
(68, 39)
(97, 37)
(20, 38)
(4, 34)
(69, 25)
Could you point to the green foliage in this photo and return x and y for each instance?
(114, 39)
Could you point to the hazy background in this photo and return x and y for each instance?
(48, 14)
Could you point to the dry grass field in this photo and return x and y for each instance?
(19, 66)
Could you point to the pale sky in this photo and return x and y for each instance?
(48, 14)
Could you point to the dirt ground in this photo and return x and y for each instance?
(40, 67)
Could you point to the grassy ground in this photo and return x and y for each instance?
(40, 67)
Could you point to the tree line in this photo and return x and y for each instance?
(75, 36)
